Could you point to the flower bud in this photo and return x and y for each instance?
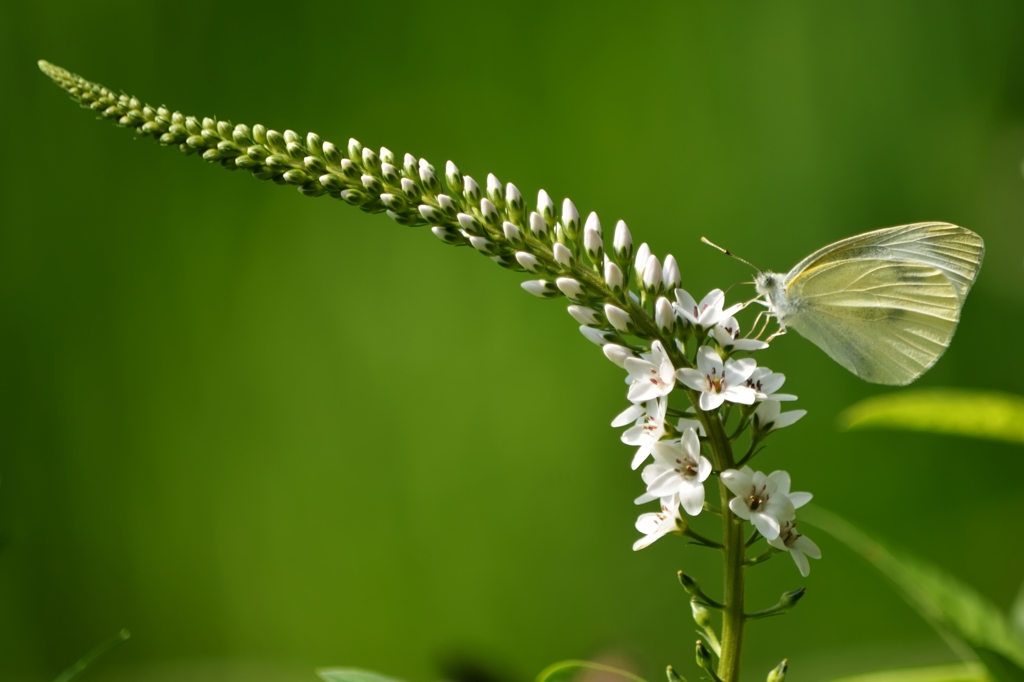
(514, 199)
(570, 287)
(389, 200)
(546, 207)
(704, 656)
(538, 227)
(429, 213)
(470, 224)
(778, 673)
(701, 615)
(483, 245)
(490, 213)
(333, 182)
(494, 192)
(472, 191)
(585, 316)
(505, 262)
(529, 262)
(447, 205)
(224, 129)
(410, 167)
(594, 223)
(348, 169)
(618, 318)
(652, 276)
(371, 162)
(665, 316)
(617, 354)
(453, 177)
(642, 256)
(331, 153)
(259, 131)
(670, 273)
(689, 584)
(428, 177)
(672, 675)
(612, 275)
(512, 233)
(390, 174)
(541, 288)
(404, 218)
(372, 184)
(789, 599)
(290, 136)
(593, 245)
(386, 156)
(409, 187)
(449, 235)
(355, 150)
(570, 219)
(597, 336)
(563, 256)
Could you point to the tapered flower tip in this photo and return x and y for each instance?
(643, 254)
(569, 213)
(450, 168)
(617, 354)
(593, 223)
(545, 206)
(512, 194)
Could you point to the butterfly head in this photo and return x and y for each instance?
(770, 286)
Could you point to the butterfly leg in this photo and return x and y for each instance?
(764, 315)
(780, 332)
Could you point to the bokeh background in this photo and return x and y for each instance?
(268, 433)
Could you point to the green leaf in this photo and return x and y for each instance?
(961, 672)
(86, 660)
(557, 672)
(351, 675)
(976, 414)
(956, 610)
(1017, 613)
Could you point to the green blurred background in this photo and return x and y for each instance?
(268, 433)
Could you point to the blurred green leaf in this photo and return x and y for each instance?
(557, 672)
(87, 660)
(1017, 613)
(351, 675)
(977, 414)
(950, 605)
(961, 672)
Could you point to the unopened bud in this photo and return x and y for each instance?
(371, 162)
(355, 150)
(472, 191)
(585, 316)
(390, 174)
(618, 318)
(429, 213)
(612, 275)
(704, 656)
(490, 213)
(387, 156)
(538, 227)
(541, 288)
(569, 287)
(428, 177)
(670, 273)
(409, 187)
(512, 233)
(331, 153)
(597, 336)
(673, 676)
(643, 254)
(259, 131)
(778, 673)
(514, 199)
(529, 262)
(617, 354)
(652, 275)
(563, 256)
(546, 207)
(372, 184)
(665, 316)
(483, 245)
(593, 245)
(689, 584)
(449, 235)
(701, 615)
(453, 177)
(494, 190)
(570, 219)
(789, 599)
(470, 224)
(446, 204)
(410, 167)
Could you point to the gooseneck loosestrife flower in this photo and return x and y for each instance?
(693, 398)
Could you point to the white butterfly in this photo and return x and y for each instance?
(883, 304)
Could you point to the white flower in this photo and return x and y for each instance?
(727, 334)
(617, 354)
(685, 423)
(765, 382)
(648, 429)
(768, 416)
(679, 469)
(799, 547)
(759, 499)
(717, 382)
(656, 525)
(652, 377)
(708, 312)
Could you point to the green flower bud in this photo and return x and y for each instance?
(371, 162)
(312, 189)
(296, 177)
(259, 134)
(295, 150)
(242, 135)
(778, 673)
(276, 142)
(292, 137)
(332, 182)
(208, 123)
(390, 174)
(355, 150)
(350, 170)
(353, 197)
(212, 155)
(387, 156)
(410, 167)
(314, 144)
(225, 129)
(331, 153)
(453, 178)
(673, 676)
(704, 659)
(314, 165)
(246, 162)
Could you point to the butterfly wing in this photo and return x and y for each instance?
(954, 251)
(887, 321)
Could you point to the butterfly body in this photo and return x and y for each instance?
(883, 304)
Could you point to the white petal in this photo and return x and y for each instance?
(807, 546)
(639, 369)
(782, 397)
(801, 562)
(690, 443)
(739, 507)
(703, 469)
(710, 362)
(633, 436)
(768, 526)
(645, 498)
(630, 414)
(782, 481)
(738, 481)
(668, 483)
(617, 354)
(748, 344)
(643, 390)
(771, 382)
(709, 401)
(692, 498)
(738, 371)
(787, 418)
(691, 378)
(648, 523)
(642, 454)
(799, 499)
(739, 394)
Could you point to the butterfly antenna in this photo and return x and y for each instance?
(729, 253)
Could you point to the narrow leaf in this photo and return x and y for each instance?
(1017, 613)
(976, 414)
(86, 660)
(957, 611)
(350, 675)
(961, 672)
(557, 672)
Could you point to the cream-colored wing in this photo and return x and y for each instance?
(954, 251)
(886, 321)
